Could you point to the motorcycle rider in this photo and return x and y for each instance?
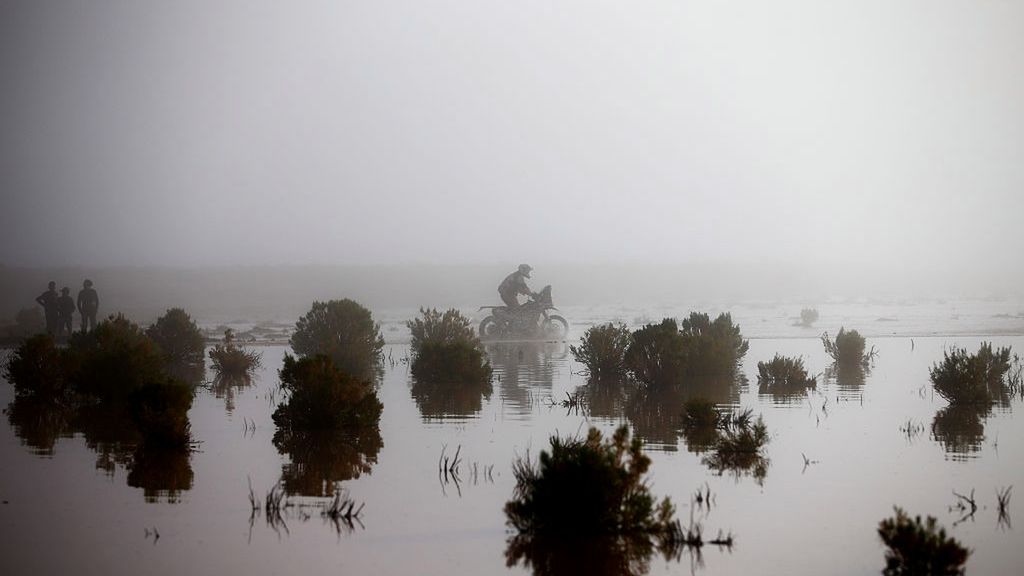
(515, 284)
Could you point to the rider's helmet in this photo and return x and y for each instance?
(525, 270)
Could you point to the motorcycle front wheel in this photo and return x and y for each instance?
(489, 329)
(555, 327)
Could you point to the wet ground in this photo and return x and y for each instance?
(76, 500)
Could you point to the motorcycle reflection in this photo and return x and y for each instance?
(529, 321)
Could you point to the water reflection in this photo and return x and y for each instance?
(321, 460)
(526, 370)
(39, 422)
(225, 386)
(657, 415)
(960, 430)
(611, 555)
(160, 473)
(606, 398)
(439, 400)
(848, 378)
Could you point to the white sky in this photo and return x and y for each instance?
(199, 133)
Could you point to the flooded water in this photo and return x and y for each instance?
(841, 456)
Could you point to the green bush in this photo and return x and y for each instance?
(446, 349)
(916, 547)
(713, 348)
(587, 487)
(115, 368)
(231, 361)
(319, 396)
(656, 354)
(847, 349)
(664, 354)
(114, 360)
(962, 378)
(434, 327)
(180, 341)
(37, 367)
(602, 350)
(783, 373)
(343, 330)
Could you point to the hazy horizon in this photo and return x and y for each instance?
(877, 137)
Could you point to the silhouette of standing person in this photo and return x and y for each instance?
(48, 300)
(88, 304)
(65, 309)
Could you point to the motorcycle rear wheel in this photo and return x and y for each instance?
(489, 329)
(555, 327)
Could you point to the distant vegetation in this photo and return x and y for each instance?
(665, 354)
(975, 379)
(587, 486)
(783, 373)
(231, 361)
(181, 343)
(602, 350)
(916, 547)
(343, 330)
(445, 348)
(847, 349)
(808, 316)
(27, 322)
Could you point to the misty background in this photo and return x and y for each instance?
(239, 154)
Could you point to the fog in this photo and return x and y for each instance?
(785, 147)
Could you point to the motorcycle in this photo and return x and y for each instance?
(531, 320)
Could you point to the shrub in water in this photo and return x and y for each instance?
(180, 340)
(712, 348)
(783, 373)
(231, 361)
(602, 350)
(808, 316)
(37, 367)
(318, 396)
(655, 355)
(962, 378)
(847, 349)
(343, 330)
(114, 360)
(446, 349)
(27, 322)
(916, 547)
(587, 487)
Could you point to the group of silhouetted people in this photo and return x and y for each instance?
(58, 310)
